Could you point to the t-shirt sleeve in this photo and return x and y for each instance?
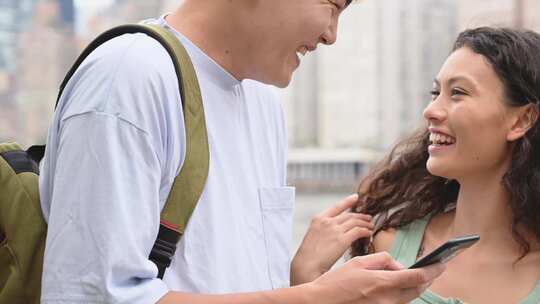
(104, 215)
(109, 169)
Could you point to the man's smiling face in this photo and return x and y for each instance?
(287, 30)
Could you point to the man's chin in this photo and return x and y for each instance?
(280, 82)
(280, 78)
(284, 79)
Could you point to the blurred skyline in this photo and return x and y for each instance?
(347, 103)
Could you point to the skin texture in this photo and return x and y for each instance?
(259, 39)
(469, 103)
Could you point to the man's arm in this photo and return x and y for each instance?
(369, 279)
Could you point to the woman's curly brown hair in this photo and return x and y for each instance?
(401, 190)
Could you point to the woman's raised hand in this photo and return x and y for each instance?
(329, 236)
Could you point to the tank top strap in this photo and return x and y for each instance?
(534, 296)
(408, 241)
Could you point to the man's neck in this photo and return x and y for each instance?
(222, 39)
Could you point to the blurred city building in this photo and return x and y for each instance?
(350, 103)
(367, 90)
(45, 52)
(15, 17)
(95, 18)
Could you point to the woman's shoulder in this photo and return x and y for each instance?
(384, 240)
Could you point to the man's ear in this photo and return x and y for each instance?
(524, 119)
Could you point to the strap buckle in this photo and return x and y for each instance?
(164, 247)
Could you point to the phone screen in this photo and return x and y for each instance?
(446, 251)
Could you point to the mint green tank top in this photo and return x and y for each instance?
(405, 249)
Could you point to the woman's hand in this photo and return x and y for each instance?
(330, 234)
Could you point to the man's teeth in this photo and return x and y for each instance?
(437, 138)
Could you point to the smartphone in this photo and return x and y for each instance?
(447, 251)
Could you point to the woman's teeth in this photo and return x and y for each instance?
(440, 139)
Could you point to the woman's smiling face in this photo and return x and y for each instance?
(468, 119)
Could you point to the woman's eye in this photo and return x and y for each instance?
(457, 92)
(434, 94)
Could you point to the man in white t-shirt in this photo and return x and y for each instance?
(117, 142)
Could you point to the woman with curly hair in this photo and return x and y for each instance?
(475, 169)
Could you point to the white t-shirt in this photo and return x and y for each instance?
(115, 146)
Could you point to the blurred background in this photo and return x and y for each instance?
(347, 104)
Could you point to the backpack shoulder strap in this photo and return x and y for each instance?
(188, 185)
(18, 159)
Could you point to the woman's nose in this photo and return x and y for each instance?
(434, 111)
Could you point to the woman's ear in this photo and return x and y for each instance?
(524, 119)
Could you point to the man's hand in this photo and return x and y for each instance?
(330, 234)
(373, 279)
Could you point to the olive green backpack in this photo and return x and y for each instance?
(22, 227)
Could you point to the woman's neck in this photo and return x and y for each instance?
(483, 208)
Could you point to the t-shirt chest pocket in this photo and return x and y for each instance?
(277, 213)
